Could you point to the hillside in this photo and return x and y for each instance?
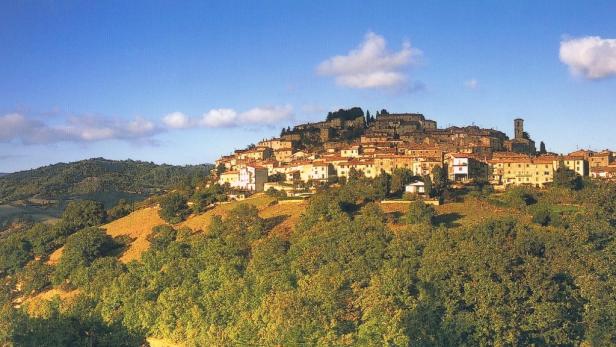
(345, 267)
(283, 215)
(42, 192)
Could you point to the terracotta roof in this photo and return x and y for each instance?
(572, 157)
(604, 169)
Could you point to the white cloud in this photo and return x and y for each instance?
(219, 118)
(141, 126)
(370, 65)
(177, 120)
(267, 115)
(27, 130)
(591, 57)
(471, 84)
(228, 117)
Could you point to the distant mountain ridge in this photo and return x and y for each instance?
(92, 177)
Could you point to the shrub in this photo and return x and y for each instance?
(121, 209)
(520, 197)
(275, 193)
(542, 216)
(35, 276)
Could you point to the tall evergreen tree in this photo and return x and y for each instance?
(542, 149)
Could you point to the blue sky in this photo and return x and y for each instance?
(182, 82)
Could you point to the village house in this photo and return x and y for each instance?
(366, 167)
(575, 163)
(258, 153)
(250, 178)
(595, 159)
(605, 172)
(463, 167)
(423, 150)
(276, 144)
(424, 166)
(283, 154)
(418, 187)
(522, 170)
(229, 177)
(601, 159)
(323, 172)
(351, 151)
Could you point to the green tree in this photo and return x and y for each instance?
(80, 250)
(420, 213)
(161, 237)
(174, 208)
(520, 197)
(82, 214)
(441, 182)
(567, 178)
(121, 209)
(399, 179)
(542, 149)
(35, 276)
(15, 252)
(383, 185)
(277, 177)
(428, 186)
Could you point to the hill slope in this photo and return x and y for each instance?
(42, 191)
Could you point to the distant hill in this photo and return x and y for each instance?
(3, 174)
(45, 189)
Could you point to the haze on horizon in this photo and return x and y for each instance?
(185, 83)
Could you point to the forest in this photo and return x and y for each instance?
(90, 176)
(42, 194)
(343, 276)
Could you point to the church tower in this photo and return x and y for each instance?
(518, 126)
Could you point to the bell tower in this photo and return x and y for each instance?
(518, 126)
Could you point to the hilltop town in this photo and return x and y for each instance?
(348, 141)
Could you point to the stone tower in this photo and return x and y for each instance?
(518, 126)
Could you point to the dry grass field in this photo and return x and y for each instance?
(137, 225)
(284, 215)
(454, 214)
(288, 213)
(33, 304)
(202, 221)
